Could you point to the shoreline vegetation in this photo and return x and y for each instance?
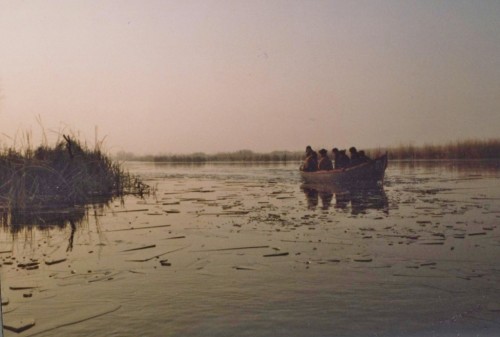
(459, 150)
(68, 174)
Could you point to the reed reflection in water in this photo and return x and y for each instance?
(49, 217)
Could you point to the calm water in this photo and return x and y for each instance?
(253, 252)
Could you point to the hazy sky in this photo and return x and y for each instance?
(187, 76)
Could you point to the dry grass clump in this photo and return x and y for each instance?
(66, 174)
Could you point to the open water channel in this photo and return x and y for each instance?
(247, 250)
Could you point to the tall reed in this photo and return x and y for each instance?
(66, 174)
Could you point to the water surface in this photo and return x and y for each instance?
(248, 250)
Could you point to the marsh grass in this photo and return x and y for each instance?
(237, 156)
(64, 175)
(465, 149)
(461, 150)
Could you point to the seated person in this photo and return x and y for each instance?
(324, 164)
(363, 158)
(336, 157)
(311, 162)
(354, 156)
(341, 159)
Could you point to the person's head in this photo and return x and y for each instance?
(361, 153)
(335, 150)
(353, 150)
(322, 152)
(308, 149)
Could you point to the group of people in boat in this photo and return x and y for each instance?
(322, 162)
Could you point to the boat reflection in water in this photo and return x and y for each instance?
(359, 199)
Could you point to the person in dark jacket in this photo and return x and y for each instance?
(341, 159)
(363, 158)
(336, 156)
(311, 162)
(344, 159)
(325, 163)
(355, 160)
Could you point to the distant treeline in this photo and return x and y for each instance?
(238, 156)
(467, 149)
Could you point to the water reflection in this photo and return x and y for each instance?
(17, 219)
(21, 220)
(358, 199)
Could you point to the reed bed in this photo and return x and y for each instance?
(465, 149)
(65, 175)
(461, 150)
(237, 156)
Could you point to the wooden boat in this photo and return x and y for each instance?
(370, 173)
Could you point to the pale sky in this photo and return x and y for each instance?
(210, 76)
